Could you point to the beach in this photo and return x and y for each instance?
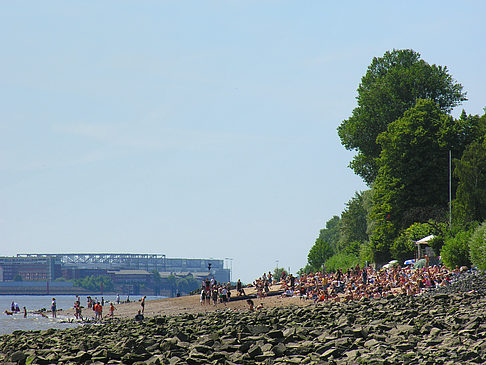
(445, 326)
(191, 304)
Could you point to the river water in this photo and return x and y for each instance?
(10, 323)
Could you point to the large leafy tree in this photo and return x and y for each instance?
(412, 184)
(319, 253)
(326, 244)
(477, 247)
(470, 202)
(353, 224)
(392, 84)
(331, 233)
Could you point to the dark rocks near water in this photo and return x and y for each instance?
(441, 327)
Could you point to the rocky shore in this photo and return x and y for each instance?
(441, 327)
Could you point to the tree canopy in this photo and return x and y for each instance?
(470, 202)
(392, 84)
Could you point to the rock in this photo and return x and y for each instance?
(329, 353)
(18, 356)
(255, 351)
(279, 349)
(371, 343)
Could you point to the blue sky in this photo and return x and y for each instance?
(198, 129)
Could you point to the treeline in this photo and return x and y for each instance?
(404, 136)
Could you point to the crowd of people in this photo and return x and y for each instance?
(358, 283)
(214, 292)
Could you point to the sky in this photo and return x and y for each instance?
(199, 129)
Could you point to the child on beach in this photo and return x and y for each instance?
(112, 309)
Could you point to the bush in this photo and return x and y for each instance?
(455, 251)
(403, 248)
(341, 261)
(477, 247)
(365, 253)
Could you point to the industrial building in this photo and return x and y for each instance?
(129, 272)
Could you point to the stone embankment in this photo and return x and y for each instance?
(445, 327)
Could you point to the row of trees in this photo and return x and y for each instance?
(404, 135)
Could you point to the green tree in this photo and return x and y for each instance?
(331, 233)
(413, 180)
(392, 84)
(470, 202)
(455, 251)
(341, 260)
(319, 253)
(93, 283)
(403, 247)
(156, 282)
(477, 247)
(277, 273)
(353, 224)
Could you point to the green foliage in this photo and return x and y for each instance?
(331, 233)
(413, 181)
(341, 260)
(305, 270)
(365, 254)
(319, 253)
(470, 202)
(404, 246)
(455, 251)
(380, 239)
(277, 273)
(477, 247)
(17, 278)
(183, 284)
(414, 165)
(156, 282)
(93, 283)
(392, 84)
(353, 224)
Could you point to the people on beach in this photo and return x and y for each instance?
(358, 283)
(25, 312)
(142, 303)
(54, 308)
(139, 316)
(112, 310)
(98, 308)
(118, 299)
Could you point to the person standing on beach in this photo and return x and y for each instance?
(54, 308)
(112, 309)
(25, 312)
(142, 303)
(118, 299)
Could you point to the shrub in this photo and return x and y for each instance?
(455, 251)
(341, 260)
(477, 247)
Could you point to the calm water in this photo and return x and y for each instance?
(8, 323)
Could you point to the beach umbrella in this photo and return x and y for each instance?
(409, 262)
(420, 264)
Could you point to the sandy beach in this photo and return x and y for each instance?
(191, 304)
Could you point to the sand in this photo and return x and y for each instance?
(190, 304)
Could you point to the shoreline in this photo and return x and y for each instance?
(441, 327)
